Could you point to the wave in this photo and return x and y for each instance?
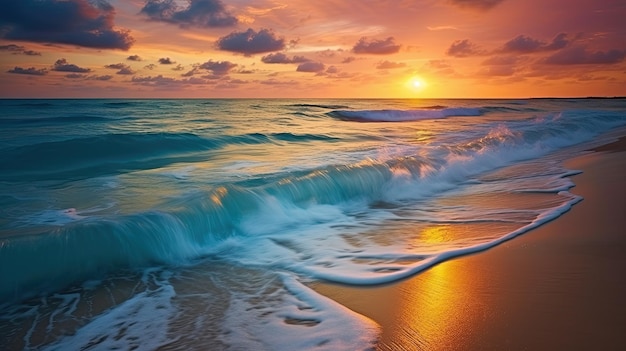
(322, 106)
(403, 115)
(60, 119)
(114, 153)
(234, 218)
(200, 224)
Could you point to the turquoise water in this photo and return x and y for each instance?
(195, 224)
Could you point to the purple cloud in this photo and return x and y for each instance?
(116, 66)
(166, 81)
(61, 65)
(29, 71)
(250, 42)
(17, 49)
(280, 57)
(377, 47)
(476, 4)
(218, 68)
(101, 78)
(390, 65)
(75, 22)
(348, 59)
(579, 55)
(134, 58)
(166, 61)
(464, 48)
(198, 13)
(524, 44)
(311, 67)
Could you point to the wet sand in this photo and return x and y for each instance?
(561, 286)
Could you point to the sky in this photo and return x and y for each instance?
(316, 49)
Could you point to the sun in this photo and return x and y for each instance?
(416, 83)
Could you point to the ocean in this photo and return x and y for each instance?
(200, 224)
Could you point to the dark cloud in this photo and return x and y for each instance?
(166, 61)
(198, 13)
(464, 48)
(126, 71)
(377, 47)
(332, 70)
(101, 78)
(116, 66)
(166, 81)
(390, 65)
(11, 47)
(134, 58)
(17, 49)
(29, 71)
(501, 60)
(218, 68)
(87, 77)
(348, 59)
(75, 22)
(311, 67)
(476, 4)
(579, 55)
(498, 71)
(250, 42)
(75, 76)
(280, 57)
(61, 65)
(524, 44)
(150, 66)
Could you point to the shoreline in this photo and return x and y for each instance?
(559, 286)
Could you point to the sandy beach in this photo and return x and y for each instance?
(559, 287)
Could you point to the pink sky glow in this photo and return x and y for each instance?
(322, 48)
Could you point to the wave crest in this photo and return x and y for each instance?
(403, 115)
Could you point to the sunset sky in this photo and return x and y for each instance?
(320, 48)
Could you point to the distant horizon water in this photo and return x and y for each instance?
(198, 223)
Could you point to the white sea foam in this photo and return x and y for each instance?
(140, 322)
(296, 319)
(404, 115)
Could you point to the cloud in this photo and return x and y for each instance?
(348, 59)
(437, 28)
(87, 77)
(377, 47)
(17, 49)
(75, 76)
(198, 13)
(134, 58)
(280, 57)
(150, 66)
(61, 65)
(501, 60)
(218, 68)
(464, 48)
(166, 61)
(122, 68)
(250, 42)
(75, 22)
(390, 65)
(29, 71)
(166, 81)
(476, 4)
(524, 44)
(311, 67)
(116, 66)
(579, 55)
(101, 78)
